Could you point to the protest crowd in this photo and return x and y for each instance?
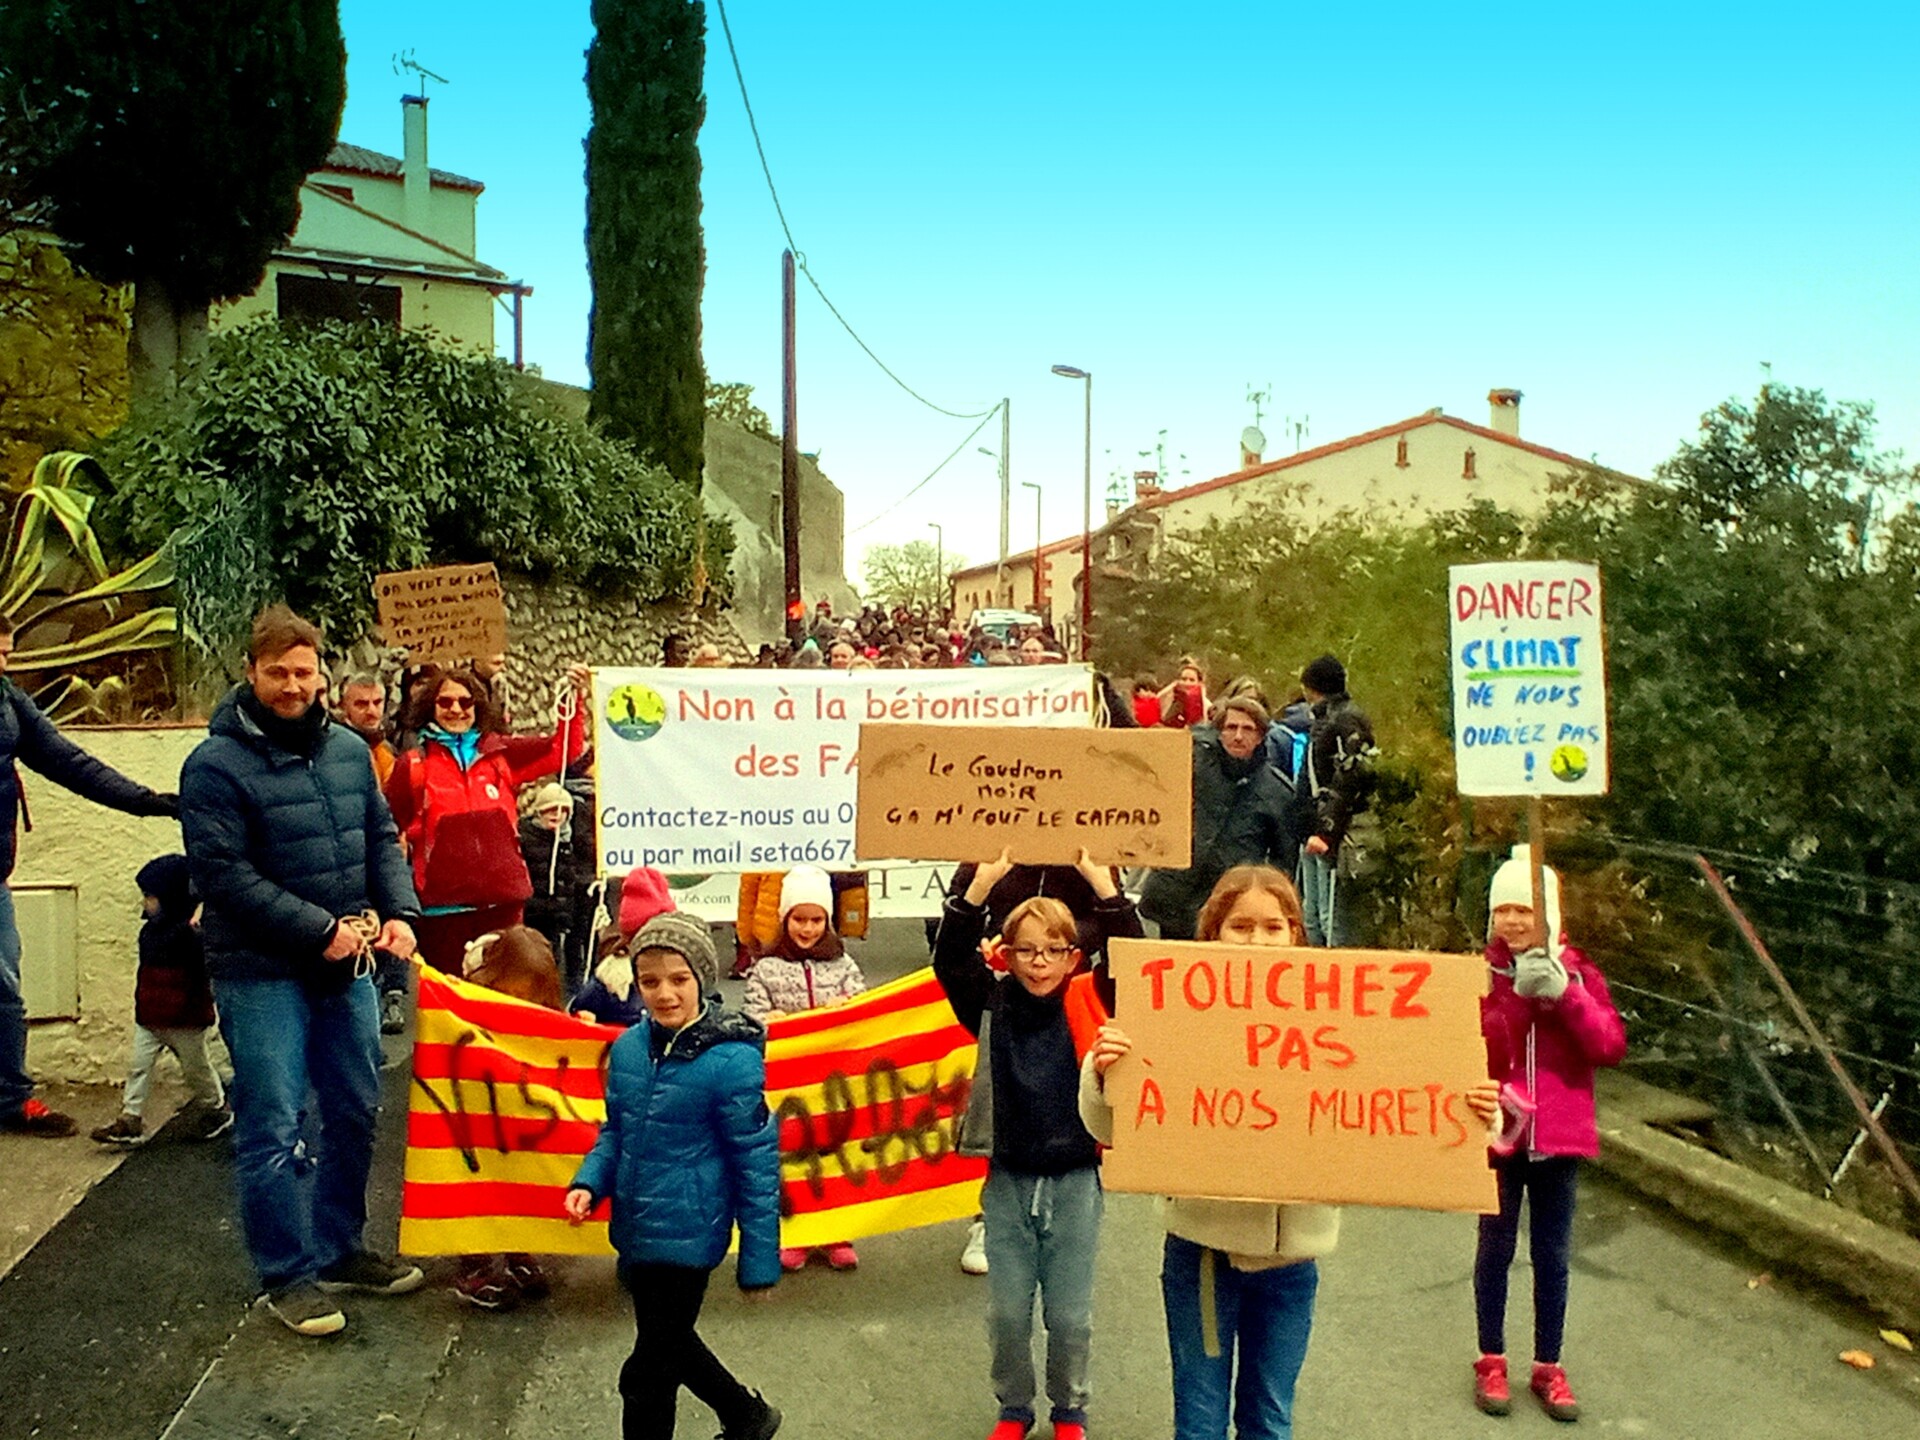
(341, 830)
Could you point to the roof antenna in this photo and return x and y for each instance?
(403, 61)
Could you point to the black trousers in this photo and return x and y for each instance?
(667, 1353)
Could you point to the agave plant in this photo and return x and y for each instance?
(52, 570)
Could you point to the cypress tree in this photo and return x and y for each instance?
(185, 133)
(645, 254)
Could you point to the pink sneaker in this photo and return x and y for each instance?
(793, 1257)
(842, 1257)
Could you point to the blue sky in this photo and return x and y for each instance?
(1622, 212)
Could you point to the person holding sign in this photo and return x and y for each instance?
(1256, 1261)
(1238, 1277)
(1549, 1024)
(455, 801)
(1042, 1197)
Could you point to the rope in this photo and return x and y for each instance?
(365, 928)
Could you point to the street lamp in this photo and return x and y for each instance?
(939, 562)
(1028, 484)
(1074, 372)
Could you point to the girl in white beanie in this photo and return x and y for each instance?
(807, 968)
(1549, 1023)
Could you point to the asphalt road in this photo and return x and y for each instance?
(130, 1319)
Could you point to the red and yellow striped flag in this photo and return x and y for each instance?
(507, 1097)
(868, 1096)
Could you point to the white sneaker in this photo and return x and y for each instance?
(973, 1257)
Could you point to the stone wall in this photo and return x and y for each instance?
(553, 623)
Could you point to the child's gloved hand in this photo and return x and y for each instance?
(1539, 975)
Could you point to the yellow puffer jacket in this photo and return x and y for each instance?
(757, 921)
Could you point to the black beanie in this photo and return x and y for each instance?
(1325, 676)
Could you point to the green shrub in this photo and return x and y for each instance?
(301, 461)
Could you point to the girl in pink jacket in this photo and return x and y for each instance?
(1549, 1023)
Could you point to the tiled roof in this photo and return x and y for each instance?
(1269, 467)
(357, 160)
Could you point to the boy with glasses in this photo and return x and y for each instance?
(1042, 1199)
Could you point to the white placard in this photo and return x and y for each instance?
(711, 770)
(1529, 678)
(894, 892)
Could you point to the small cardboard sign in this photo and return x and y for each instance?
(966, 792)
(1331, 1076)
(447, 612)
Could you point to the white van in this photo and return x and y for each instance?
(1002, 623)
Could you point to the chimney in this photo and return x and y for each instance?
(1505, 405)
(413, 167)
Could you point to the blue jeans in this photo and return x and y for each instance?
(302, 1176)
(1323, 899)
(15, 1088)
(1267, 1315)
(1043, 1232)
(1549, 1184)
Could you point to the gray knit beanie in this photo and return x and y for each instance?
(687, 936)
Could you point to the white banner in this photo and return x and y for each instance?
(1529, 678)
(894, 892)
(729, 770)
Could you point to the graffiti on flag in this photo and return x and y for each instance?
(508, 1097)
(869, 1097)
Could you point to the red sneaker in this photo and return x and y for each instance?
(842, 1257)
(1069, 1430)
(1549, 1383)
(1010, 1430)
(1490, 1391)
(36, 1119)
(793, 1257)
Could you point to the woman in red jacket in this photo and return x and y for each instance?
(455, 799)
(1549, 1023)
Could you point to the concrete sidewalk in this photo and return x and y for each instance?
(1812, 1238)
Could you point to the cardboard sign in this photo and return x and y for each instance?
(714, 771)
(965, 792)
(1337, 1076)
(449, 612)
(1529, 678)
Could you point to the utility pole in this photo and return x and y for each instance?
(790, 455)
(1001, 595)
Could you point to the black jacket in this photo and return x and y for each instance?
(28, 737)
(1243, 814)
(1036, 1075)
(1339, 779)
(282, 845)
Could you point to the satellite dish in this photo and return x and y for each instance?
(1253, 441)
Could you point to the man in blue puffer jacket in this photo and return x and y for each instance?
(687, 1151)
(291, 847)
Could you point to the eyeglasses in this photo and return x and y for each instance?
(1030, 953)
(453, 702)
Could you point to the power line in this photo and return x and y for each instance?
(923, 484)
(799, 256)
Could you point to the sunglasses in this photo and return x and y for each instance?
(449, 702)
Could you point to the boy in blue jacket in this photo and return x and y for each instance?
(687, 1151)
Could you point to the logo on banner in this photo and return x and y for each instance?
(636, 712)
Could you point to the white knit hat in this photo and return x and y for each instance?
(551, 797)
(1513, 885)
(806, 885)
